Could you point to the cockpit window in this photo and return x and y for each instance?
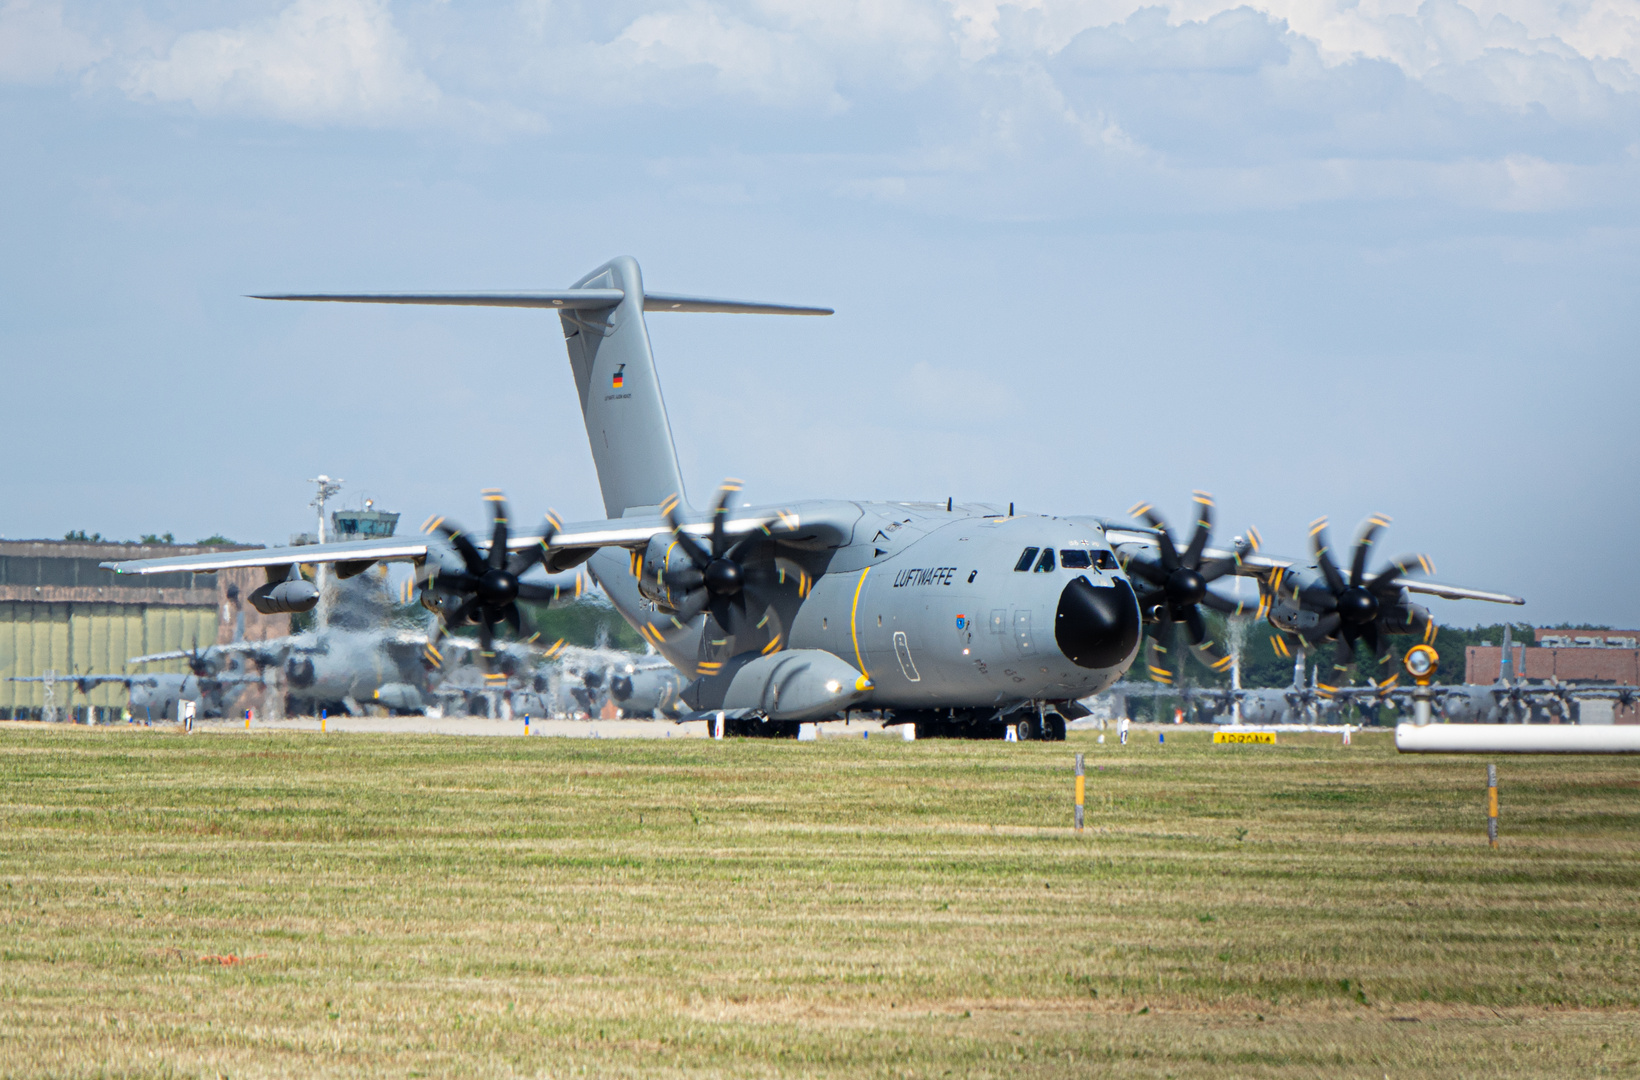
(1074, 559)
(1105, 560)
(1024, 562)
(1044, 565)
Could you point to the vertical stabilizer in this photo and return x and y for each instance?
(621, 402)
(1506, 673)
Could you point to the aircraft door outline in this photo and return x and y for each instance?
(902, 651)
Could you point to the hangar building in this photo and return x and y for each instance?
(60, 611)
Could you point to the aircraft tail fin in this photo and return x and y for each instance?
(1506, 673)
(620, 391)
(609, 350)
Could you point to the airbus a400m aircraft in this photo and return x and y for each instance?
(958, 617)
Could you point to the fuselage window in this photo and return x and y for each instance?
(1074, 559)
(1044, 565)
(1105, 560)
(1024, 562)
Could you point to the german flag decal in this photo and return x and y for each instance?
(619, 380)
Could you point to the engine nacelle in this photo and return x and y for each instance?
(401, 697)
(285, 597)
(797, 684)
(661, 556)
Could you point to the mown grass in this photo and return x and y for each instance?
(412, 905)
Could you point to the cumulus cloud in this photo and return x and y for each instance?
(315, 61)
(38, 46)
(941, 103)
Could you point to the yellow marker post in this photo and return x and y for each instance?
(1492, 805)
(1081, 791)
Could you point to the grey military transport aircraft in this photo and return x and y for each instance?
(156, 696)
(964, 618)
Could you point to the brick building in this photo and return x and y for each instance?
(1592, 657)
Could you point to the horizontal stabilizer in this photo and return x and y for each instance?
(672, 302)
(560, 300)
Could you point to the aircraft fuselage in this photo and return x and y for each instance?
(959, 608)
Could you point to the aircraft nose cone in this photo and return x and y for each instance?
(1357, 606)
(1097, 628)
(723, 577)
(300, 672)
(497, 588)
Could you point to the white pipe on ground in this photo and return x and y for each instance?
(1517, 739)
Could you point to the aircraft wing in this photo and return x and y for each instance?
(1261, 566)
(260, 651)
(84, 682)
(633, 532)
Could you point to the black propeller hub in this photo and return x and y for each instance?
(1357, 606)
(723, 577)
(1097, 628)
(497, 588)
(1185, 586)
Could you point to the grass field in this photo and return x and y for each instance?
(251, 904)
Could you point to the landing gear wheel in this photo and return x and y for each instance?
(1053, 727)
(1025, 729)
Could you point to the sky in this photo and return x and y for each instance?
(1317, 258)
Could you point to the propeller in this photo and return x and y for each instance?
(734, 580)
(198, 663)
(1362, 607)
(486, 590)
(1174, 588)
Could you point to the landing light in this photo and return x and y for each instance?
(832, 686)
(1421, 662)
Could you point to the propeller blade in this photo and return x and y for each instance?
(687, 579)
(464, 547)
(1404, 566)
(1158, 657)
(498, 532)
(1204, 648)
(1343, 657)
(536, 553)
(430, 652)
(1363, 547)
(723, 612)
(1150, 572)
(1370, 635)
(693, 604)
(486, 639)
(1204, 527)
(1329, 570)
(1326, 626)
(720, 517)
(1228, 607)
(1384, 671)
(1196, 623)
(691, 547)
(531, 593)
(1164, 539)
(453, 581)
(463, 614)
